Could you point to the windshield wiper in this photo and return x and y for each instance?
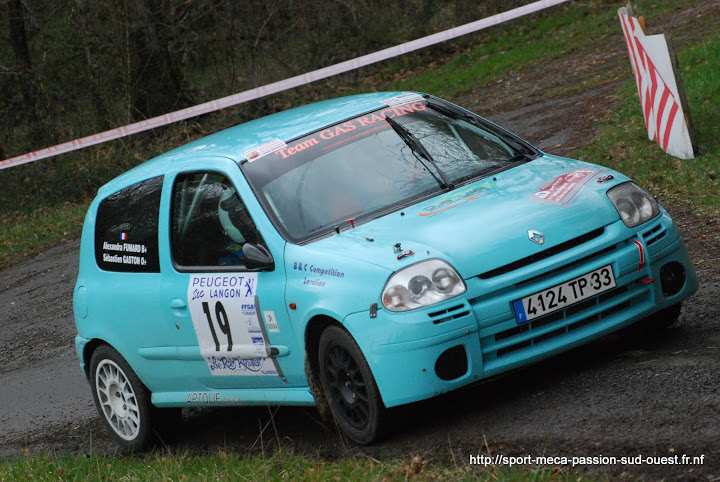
(451, 113)
(528, 153)
(419, 150)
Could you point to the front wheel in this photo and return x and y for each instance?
(121, 398)
(349, 387)
(654, 323)
(668, 316)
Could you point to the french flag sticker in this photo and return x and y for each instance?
(123, 236)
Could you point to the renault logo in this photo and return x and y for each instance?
(536, 237)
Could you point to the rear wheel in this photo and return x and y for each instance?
(350, 387)
(121, 398)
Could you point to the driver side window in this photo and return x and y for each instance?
(209, 222)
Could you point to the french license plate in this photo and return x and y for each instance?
(564, 294)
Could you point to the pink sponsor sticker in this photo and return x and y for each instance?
(563, 189)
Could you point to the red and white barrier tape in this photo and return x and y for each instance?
(279, 86)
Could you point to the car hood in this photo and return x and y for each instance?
(485, 225)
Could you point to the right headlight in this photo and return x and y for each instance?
(634, 205)
(422, 284)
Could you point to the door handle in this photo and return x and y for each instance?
(177, 303)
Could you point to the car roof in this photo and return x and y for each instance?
(232, 142)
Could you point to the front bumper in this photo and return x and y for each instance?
(412, 353)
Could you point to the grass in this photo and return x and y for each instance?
(278, 466)
(27, 234)
(623, 144)
(521, 44)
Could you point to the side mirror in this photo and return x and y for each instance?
(257, 257)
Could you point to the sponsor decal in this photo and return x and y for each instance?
(350, 130)
(263, 150)
(319, 271)
(456, 198)
(271, 322)
(223, 312)
(211, 398)
(564, 188)
(403, 99)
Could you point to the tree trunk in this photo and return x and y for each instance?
(23, 66)
(103, 118)
(157, 78)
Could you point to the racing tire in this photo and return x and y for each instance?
(654, 323)
(349, 387)
(121, 399)
(666, 317)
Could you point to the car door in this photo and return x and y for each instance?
(229, 318)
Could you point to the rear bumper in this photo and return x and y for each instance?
(80, 343)
(405, 350)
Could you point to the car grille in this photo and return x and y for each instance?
(541, 332)
(559, 323)
(560, 248)
(505, 344)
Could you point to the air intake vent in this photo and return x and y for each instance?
(449, 314)
(654, 234)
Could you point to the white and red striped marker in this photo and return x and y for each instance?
(657, 88)
(279, 86)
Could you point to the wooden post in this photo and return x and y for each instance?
(681, 93)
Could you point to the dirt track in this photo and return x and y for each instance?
(654, 396)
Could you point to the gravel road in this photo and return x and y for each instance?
(653, 396)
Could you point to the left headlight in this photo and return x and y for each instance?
(634, 205)
(422, 284)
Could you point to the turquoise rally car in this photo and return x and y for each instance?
(356, 254)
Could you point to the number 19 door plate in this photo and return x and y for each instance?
(564, 294)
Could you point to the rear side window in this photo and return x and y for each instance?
(126, 229)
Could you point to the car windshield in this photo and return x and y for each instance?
(365, 166)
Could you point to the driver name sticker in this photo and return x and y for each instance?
(264, 149)
(222, 308)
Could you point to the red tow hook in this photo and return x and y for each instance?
(642, 263)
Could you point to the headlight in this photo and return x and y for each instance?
(634, 205)
(422, 284)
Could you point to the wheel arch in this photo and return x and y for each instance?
(313, 330)
(88, 351)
